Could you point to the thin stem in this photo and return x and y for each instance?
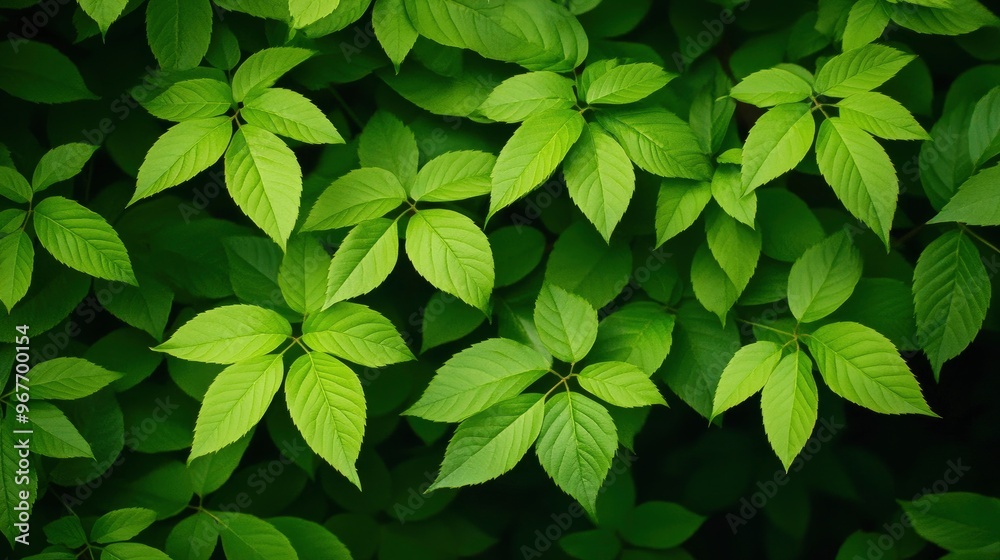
(347, 108)
(751, 323)
(976, 236)
(818, 105)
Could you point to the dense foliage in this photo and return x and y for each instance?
(431, 279)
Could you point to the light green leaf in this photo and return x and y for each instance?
(264, 178)
(290, 114)
(859, 70)
(261, 69)
(209, 472)
(492, 442)
(361, 194)
(82, 240)
(621, 384)
(824, 277)
(746, 373)
(525, 95)
(228, 334)
(66, 531)
(727, 190)
(778, 141)
(363, 261)
(713, 288)
(17, 256)
(121, 524)
(657, 141)
(789, 403)
(387, 143)
(179, 31)
(132, 551)
(68, 379)
(245, 537)
(327, 404)
(957, 521)
(617, 84)
(977, 201)
(860, 172)
(984, 130)
(599, 178)
(865, 23)
(185, 150)
(302, 274)
(639, 333)
(356, 333)
(576, 445)
(532, 154)
(772, 86)
(566, 323)
(104, 12)
(881, 115)
(305, 12)
(39, 73)
(14, 186)
(54, 435)
(678, 205)
(454, 176)
(452, 253)
(862, 366)
(951, 293)
(61, 163)
(393, 29)
(735, 246)
(235, 402)
(478, 377)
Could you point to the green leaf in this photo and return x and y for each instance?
(263, 68)
(600, 178)
(532, 154)
(14, 186)
(727, 190)
(977, 201)
(235, 402)
(387, 143)
(209, 472)
(951, 293)
(713, 288)
(860, 172)
(621, 384)
(302, 274)
(881, 115)
(492, 442)
(639, 333)
(245, 537)
(824, 277)
(305, 12)
(452, 253)
(617, 84)
(778, 141)
(576, 445)
(660, 525)
(734, 245)
(862, 366)
(327, 404)
(179, 31)
(454, 176)
(787, 225)
(865, 23)
(290, 114)
(517, 251)
(54, 435)
(583, 263)
(363, 261)
(593, 544)
(567, 324)
(393, 29)
(478, 377)
(82, 240)
(772, 86)
(17, 255)
(264, 178)
(859, 70)
(185, 150)
(958, 18)
(984, 130)
(789, 403)
(525, 95)
(745, 374)
(657, 141)
(310, 539)
(193, 538)
(956, 520)
(66, 531)
(104, 12)
(446, 319)
(121, 524)
(191, 99)
(361, 194)
(61, 163)
(132, 551)
(356, 333)
(39, 73)
(11, 220)
(68, 379)
(678, 205)
(228, 334)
